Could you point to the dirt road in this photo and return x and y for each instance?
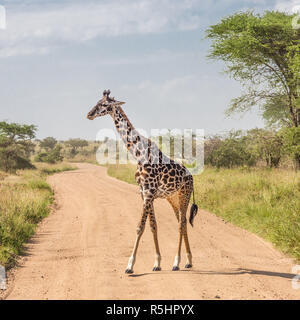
(81, 250)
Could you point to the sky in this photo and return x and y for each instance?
(57, 57)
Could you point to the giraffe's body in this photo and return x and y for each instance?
(157, 176)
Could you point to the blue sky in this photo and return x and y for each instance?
(56, 58)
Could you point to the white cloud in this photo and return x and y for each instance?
(36, 28)
(291, 6)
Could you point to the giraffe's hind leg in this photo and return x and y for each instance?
(174, 202)
(184, 199)
(184, 195)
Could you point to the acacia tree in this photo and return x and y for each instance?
(263, 52)
(48, 143)
(15, 145)
(75, 144)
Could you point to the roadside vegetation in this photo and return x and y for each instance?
(263, 201)
(25, 199)
(25, 196)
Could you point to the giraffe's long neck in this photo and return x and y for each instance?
(141, 148)
(129, 135)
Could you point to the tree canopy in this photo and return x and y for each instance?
(15, 145)
(48, 143)
(263, 52)
(75, 144)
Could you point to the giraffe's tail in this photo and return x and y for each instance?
(194, 210)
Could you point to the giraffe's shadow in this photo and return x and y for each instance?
(233, 272)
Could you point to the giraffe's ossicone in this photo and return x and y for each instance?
(157, 175)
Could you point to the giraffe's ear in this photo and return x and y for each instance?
(118, 103)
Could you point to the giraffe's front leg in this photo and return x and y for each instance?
(139, 232)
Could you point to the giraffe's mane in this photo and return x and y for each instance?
(125, 116)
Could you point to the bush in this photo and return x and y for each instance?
(52, 156)
(230, 152)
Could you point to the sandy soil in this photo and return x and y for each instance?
(81, 250)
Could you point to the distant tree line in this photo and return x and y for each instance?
(18, 147)
(270, 148)
(249, 148)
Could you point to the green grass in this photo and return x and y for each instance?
(56, 169)
(263, 201)
(122, 172)
(25, 199)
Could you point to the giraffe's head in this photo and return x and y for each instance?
(104, 106)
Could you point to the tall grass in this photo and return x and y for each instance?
(25, 200)
(263, 201)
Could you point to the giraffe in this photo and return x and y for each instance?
(158, 176)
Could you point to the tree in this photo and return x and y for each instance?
(75, 144)
(263, 52)
(211, 145)
(48, 143)
(16, 145)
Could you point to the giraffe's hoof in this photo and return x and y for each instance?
(156, 269)
(175, 268)
(128, 271)
(188, 266)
